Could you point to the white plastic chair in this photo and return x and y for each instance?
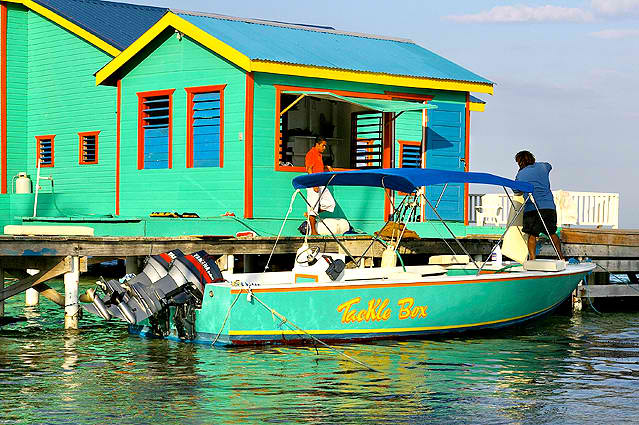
(489, 212)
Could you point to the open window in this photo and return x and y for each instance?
(356, 129)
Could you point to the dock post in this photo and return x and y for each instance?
(31, 295)
(71, 283)
(249, 263)
(230, 263)
(131, 265)
(1, 288)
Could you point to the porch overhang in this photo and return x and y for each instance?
(380, 105)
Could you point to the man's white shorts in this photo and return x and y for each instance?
(327, 203)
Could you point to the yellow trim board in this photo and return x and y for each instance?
(244, 62)
(68, 25)
(368, 77)
(477, 107)
(179, 24)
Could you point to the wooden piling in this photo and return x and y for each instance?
(31, 295)
(1, 289)
(71, 285)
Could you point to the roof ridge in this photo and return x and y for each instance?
(313, 28)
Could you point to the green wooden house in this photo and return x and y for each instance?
(213, 115)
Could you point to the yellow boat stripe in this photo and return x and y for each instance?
(70, 26)
(382, 331)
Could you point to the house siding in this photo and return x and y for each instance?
(170, 63)
(16, 91)
(62, 100)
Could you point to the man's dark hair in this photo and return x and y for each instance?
(318, 140)
(525, 157)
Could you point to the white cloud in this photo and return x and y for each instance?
(614, 34)
(616, 7)
(521, 13)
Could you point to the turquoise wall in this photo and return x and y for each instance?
(62, 100)
(208, 191)
(17, 60)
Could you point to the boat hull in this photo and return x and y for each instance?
(368, 310)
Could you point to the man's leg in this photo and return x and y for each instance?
(555, 240)
(311, 220)
(532, 247)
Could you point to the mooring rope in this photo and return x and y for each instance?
(228, 313)
(285, 320)
(290, 208)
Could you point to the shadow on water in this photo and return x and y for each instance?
(558, 369)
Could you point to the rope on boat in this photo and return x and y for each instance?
(290, 208)
(285, 320)
(228, 313)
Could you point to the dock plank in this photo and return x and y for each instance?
(617, 237)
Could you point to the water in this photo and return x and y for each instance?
(580, 369)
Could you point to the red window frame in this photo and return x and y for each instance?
(141, 97)
(81, 153)
(38, 139)
(190, 93)
(403, 143)
(278, 93)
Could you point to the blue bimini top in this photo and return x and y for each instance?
(406, 180)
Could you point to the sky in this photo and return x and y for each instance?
(566, 76)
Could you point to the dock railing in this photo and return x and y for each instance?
(573, 209)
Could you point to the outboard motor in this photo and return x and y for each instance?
(116, 293)
(182, 286)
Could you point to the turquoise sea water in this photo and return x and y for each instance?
(560, 369)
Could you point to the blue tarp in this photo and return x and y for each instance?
(405, 180)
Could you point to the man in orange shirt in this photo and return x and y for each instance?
(315, 164)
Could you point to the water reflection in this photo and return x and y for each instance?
(562, 369)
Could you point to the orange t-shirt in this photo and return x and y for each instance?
(314, 161)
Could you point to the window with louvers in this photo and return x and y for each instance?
(367, 132)
(45, 150)
(156, 131)
(411, 155)
(89, 147)
(206, 122)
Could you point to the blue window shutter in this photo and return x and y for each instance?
(411, 156)
(46, 152)
(206, 121)
(155, 122)
(88, 153)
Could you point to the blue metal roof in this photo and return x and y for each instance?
(327, 48)
(118, 24)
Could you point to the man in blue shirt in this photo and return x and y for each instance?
(537, 174)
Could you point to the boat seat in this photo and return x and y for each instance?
(545, 265)
(449, 259)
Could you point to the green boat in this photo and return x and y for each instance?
(186, 297)
(319, 298)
